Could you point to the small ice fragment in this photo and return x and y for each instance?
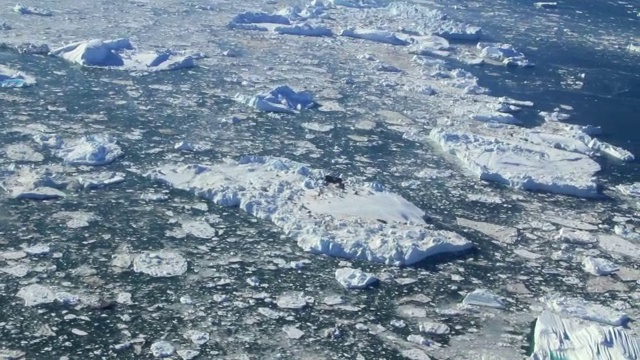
(162, 263)
(293, 332)
(162, 349)
(36, 294)
(417, 339)
(354, 279)
(253, 281)
(546, 5)
(483, 297)
(39, 249)
(598, 266)
(187, 354)
(434, 328)
(124, 298)
(400, 324)
(292, 300)
(79, 332)
(30, 10)
(198, 337)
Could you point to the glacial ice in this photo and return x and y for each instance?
(546, 5)
(634, 47)
(30, 10)
(632, 190)
(32, 183)
(504, 53)
(483, 297)
(556, 337)
(304, 30)
(95, 181)
(434, 22)
(10, 78)
(362, 221)
(381, 36)
(249, 17)
(121, 54)
(354, 278)
(36, 294)
(582, 309)
(94, 150)
(281, 99)
(497, 117)
(162, 349)
(521, 165)
(598, 266)
(162, 263)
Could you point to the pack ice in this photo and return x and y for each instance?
(12, 78)
(349, 219)
(433, 22)
(280, 99)
(504, 53)
(99, 149)
(121, 54)
(30, 10)
(32, 183)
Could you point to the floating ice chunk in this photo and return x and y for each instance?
(99, 180)
(576, 236)
(581, 309)
(31, 48)
(428, 45)
(293, 332)
(30, 10)
(162, 263)
(354, 278)
(521, 165)
(434, 22)
(570, 339)
(199, 229)
(187, 354)
(280, 99)
(249, 17)
(504, 53)
(197, 337)
(598, 266)
(511, 101)
(38, 249)
(121, 54)
(554, 116)
(14, 79)
(434, 328)
(418, 339)
(618, 245)
(162, 349)
(355, 222)
(36, 294)
(380, 36)
(292, 300)
(497, 117)
(626, 232)
(546, 5)
(33, 183)
(634, 47)
(92, 150)
(632, 190)
(613, 151)
(22, 152)
(361, 4)
(483, 297)
(304, 30)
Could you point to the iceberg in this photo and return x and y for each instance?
(360, 4)
(483, 297)
(632, 190)
(325, 214)
(30, 10)
(520, 164)
(584, 310)
(504, 53)
(634, 47)
(304, 30)
(610, 150)
(281, 99)
(598, 266)
(10, 78)
(249, 17)
(497, 117)
(434, 22)
(556, 337)
(32, 183)
(121, 54)
(91, 150)
(354, 278)
(381, 36)
(162, 263)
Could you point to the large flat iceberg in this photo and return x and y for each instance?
(381, 36)
(93, 150)
(12, 78)
(521, 165)
(121, 54)
(325, 214)
(281, 99)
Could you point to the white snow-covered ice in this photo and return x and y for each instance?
(10, 78)
(354, 278)
(281, 99)
(95, 150)
(483, 297)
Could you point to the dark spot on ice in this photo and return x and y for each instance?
(329, 179)
(382, 221)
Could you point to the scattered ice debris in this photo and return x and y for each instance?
(362, 4)
(154, 197)
(521, 165)
(497, 117)
(582, 309)
(98, 180)
(249, 17)
(503, 53)
(93, 150)
(162, 349)
(632, 190)
(348, 219)
(434, 22)
(29, 10)
(502, 234)
(380, 36)
(546, 5)
(354, 278)
(571, 339)
(36, 294)
(434, 328)
(576, 237)
(293, 300)
(5, 26)
(33, 183)
(162, 263)
(280, 99)
(598, 266)
(14, 79)
(554, 116)
(304, 30)
(32, 49)
(121, 54)
(483, 297)
(293, 332)
(22, 152)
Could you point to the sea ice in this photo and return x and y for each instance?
(99, 180)
(36, 294)
(292, 300)
(581, 309)
(162, 263)
(434, 328)
(121, 54)
(619, 245)
(497, 117)
(30, 10)
(504, 53)
(249, 17)
(354, 278)
(380, 36)
(576, 237)
(434, 22)
(520, 164)
(483, 297)
(14, 79)
(33, 183)
(632, 189)
(293, 332)
(304, 30)
(325, 215)
(281, 99)
(94, 150)
(598, 266)
(162, 349)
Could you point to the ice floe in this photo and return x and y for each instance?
(434, 22)
(162, 349)
(326, 215)
(30, 10)
(162, 263)
(281, 99)
(33, 183)
(354, 278)
(380, 36)
(10, 78)
(94, 150)
(582, 309)
(503, 53)
(546, 5)
(598, 266)
(632, 190)
(483, 297)
(521, 165)
(304, 30)
(634, 47)
(121, 54)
